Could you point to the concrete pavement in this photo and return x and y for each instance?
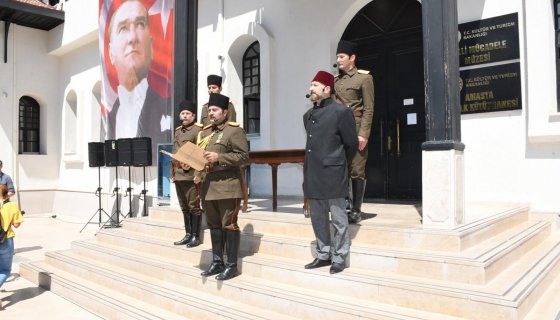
(22, 299)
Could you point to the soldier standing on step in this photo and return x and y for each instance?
(354, 88)
(214, 83)
(226, 149)
(330, 146)
(186, 184)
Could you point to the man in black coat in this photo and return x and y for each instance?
(331, 144)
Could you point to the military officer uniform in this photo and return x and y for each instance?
(355, 89)
(231, 116)
(183, 176)
(221, 189)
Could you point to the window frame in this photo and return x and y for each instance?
(251, 83)
(29, 126)
(556, 4)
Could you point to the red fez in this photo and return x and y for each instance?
(325, 78)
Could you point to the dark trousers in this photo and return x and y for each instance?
(222, 214)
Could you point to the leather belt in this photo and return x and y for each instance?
(358, 114)
(220, 168)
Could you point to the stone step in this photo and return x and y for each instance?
(169, 214)
(497, 301)
(107, 303)
(169, 230)
(304, 303)
(297, 226)
(509, 296)
(456, 240)
(155, 290)
(548, 305)
(477, 265)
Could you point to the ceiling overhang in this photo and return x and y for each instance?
(28, 14)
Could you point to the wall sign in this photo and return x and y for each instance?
(487, 89)
(489, 40)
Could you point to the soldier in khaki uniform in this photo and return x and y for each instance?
(354, 88)
(226, 149)
(215, 86)
(186, 185)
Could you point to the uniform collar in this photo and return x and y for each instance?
(187, 127)
(321, 104)
(352, 71)
(220, 126)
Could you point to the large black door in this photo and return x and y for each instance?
(393, 54)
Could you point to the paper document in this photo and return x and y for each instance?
(190, 154)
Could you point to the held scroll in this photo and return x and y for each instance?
(190, 154)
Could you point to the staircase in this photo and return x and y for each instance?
(494, 268)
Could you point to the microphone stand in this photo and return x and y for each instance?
(99, 208)
(115, 224)
(143, 194)
(129, 195)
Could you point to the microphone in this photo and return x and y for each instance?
(307, 96)
(335, 65)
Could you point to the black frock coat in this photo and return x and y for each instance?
(331, 144)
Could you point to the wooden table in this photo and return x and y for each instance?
(274, 158)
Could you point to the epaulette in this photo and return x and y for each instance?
(363, 71)
(198, 125)
(233, 124)
(179, 127)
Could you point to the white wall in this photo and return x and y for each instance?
(300, 38)
(509, 156)
(513, 155)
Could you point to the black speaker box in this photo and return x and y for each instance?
(111, 153)
(124, 152)
(142, 152)
(96, 156)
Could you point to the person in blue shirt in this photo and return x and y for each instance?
(6, 180)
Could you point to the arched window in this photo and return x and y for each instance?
(252, 89)
(29, 123)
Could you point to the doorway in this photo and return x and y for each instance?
(389, 38)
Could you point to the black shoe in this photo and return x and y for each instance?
(194, 241)
(183, 241)
(337, 267)
(317, 263)
(228, 273)
(354, 216)
(215, 268)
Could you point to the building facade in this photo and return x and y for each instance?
(267, 53)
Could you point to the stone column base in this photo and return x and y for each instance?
(443, 187)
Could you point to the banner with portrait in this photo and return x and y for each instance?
(136, 50)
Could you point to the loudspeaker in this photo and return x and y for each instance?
(124, 152)
(111, 153)
(96, 156)
(142, 152)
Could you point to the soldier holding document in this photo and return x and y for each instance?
(226, 149)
